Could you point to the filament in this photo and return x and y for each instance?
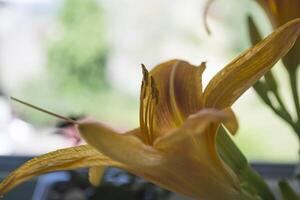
(148, 104)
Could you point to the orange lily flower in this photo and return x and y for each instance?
(175, 145)
(279, 13)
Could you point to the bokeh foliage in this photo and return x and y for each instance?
(75, 81)
(77, 55)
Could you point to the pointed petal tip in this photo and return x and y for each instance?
(230, 122)
(63, 159)
(194, 126)
(125, 148)
(294, 22)
(95, 175)
(224, 89)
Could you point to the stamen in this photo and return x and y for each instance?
(152, 108)
(147, 114)
(148, 104)
(145, 73)
(143, 109)
(154, 90)
(151, 120)
(142, 112)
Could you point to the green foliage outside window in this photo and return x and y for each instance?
(77, 56)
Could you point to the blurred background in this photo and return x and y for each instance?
(82, 58)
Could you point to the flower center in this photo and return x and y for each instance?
(148, 105)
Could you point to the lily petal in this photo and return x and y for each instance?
(192, 162)
(194, 128)
(280, 11)
(234, 79)
(96, 174)
(232, 125)
(188, 174)
(124, 148)
(180, 93)
(64, 159)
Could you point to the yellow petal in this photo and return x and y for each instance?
(64, 159)
(280, 12)
(292, 59)
(189, 174)
(96, 174)
(124, 148)
(287, 10)
(191, 161)
(245, 70)
(180, 93)
(137, 133)
(194, 128)
(232, 125)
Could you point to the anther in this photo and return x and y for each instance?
(143, 91)
(145, 73)
(154, 90)
(148, 105)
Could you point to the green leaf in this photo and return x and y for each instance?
(235, 159)
(287, 191)
(255, 36)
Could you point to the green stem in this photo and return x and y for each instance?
(262, 89)
(294, 87)
(284, 114)
(287, 192)
(282, 106)
(272, 86)
(235, 159)
(245, 195)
